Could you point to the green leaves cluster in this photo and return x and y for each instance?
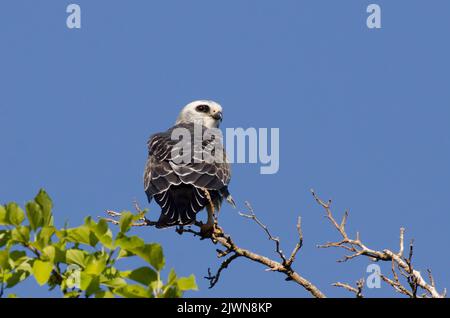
(80, 261)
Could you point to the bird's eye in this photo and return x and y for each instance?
(203, 108)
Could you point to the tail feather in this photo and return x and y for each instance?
(179, 205)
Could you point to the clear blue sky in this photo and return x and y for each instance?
(363, 117)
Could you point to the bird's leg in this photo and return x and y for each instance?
(179, 229)
(207, 229)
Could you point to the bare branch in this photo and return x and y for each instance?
(397, 286)
(253, 217)
(284, 267)
(299, 245)
(354, 246)
(404, 265)
(356, 290)
(402, 239)
(115, 218)
(214, 279)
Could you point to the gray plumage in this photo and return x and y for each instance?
(178, 188)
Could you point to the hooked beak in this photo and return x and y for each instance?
(217, 116)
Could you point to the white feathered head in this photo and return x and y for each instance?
(206, 112)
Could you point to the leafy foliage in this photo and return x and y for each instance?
(80, 261)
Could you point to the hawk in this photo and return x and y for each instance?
(182, 189)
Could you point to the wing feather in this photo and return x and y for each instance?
(162, 171)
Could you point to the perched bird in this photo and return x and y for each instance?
(182, 189)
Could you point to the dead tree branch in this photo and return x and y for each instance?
(356, 290)
(284, 266)
(357, 248)
(214, 279)
(353, 246)
(218, 236)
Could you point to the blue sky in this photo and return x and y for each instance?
(363, 117)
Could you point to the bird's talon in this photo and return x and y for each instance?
(207, 230)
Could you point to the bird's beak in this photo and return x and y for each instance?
(217, 116)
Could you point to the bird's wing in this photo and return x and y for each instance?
(159, 175)
(163, 170)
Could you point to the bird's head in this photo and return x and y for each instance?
(206, 112)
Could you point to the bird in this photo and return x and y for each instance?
(182, 189)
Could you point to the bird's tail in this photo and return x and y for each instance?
(179, 205)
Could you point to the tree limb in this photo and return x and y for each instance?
(357, 248)
(354, 246)
(357, 291)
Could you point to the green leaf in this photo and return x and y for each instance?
(104, 294)
(5, 236)
(49, 253)
(54, 254)
(156, 286)
(82, 235)
(74, 256)
(133, 291)
(110, 273)
(15, 214)
(25, 266)
(151, 253)
(124, 253)
(96, 265)
(18, 257)
(115, 283)
(34, 214)
(172, 277)
(102, 227)
(143, 275)
(103, 233)
(187, 283)
(90, 283)
(46, 205)
(44, 236)
(172, 292)
(72, 294)
(3, 219)
(125, 222)
(42, 271)
(107, 240)
(129, 243)
(16, 277)
(4, 260)
(21, 234)
(88, 267)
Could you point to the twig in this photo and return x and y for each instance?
(116, 215)
(214, 279)
(299, 244)
(284, 267)
(357, 291)
(357, 248)
(402, 239)
(253, 217)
